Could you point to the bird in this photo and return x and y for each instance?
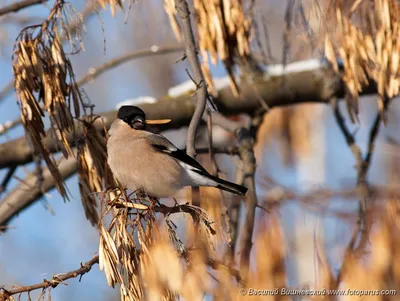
(140, 159)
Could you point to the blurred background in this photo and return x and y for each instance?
(299, 147)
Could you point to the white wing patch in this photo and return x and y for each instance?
(195, 179)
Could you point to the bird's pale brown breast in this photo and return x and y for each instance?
(135, 164)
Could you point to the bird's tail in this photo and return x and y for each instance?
(229, 186)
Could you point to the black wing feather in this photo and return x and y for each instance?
(180, 156)
(161, 144)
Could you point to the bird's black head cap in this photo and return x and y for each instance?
(130, 114)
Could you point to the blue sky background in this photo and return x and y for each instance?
(39, 244)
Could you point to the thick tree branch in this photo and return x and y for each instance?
(53, 282)
(12, 8)
(307, 81)
(27, 192)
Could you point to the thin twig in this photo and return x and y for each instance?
(12, 8)
(267, 40)
(286, 34)
(350, 140)
(97, 71)
(229, 150)
(216, 265)
(307, 27)
(246, 153)
(363, 227)
(53, 282)
(8, 125)
(7, 178)
(210, 145)
(7, 89)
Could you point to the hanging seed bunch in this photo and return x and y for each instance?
(145, 255)
(45, 86)
(93, 171)
(123, 240)
(223, 32)
(113, 4)
(369, 45)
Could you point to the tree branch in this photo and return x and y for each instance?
(249, 164)
(306, 84)
(8, 125)
(201, 89)
(7, 89)
(12, 8)
(362, 229)
(315, 84)
(154, 50)
(55, 280)
(7, 179)
(245, 139)
(27, 192)
(229, 150)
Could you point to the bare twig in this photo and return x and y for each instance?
(201, 89)
(346, 133)
(81, 19)
(55, 281)
(246, 153)
(216, 264)
(225, 123)
(363, 226)
(97, 71)
(8, 125)
(210, 145)
(310, 33)
(7, 89)
(12, 8)
(286, 34)
(7, 179)
(267, 39)
(229, 150)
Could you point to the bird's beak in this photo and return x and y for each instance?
(158, 121)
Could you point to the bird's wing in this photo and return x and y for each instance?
(196, 172)
(162, 144)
